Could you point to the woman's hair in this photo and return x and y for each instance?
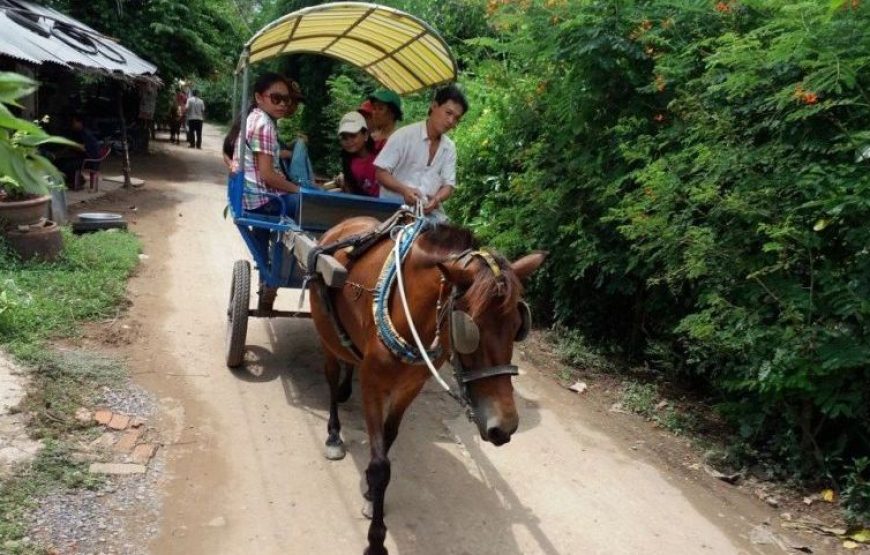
(232, 137)
(346, 157)
(261, 85)
(266, 80)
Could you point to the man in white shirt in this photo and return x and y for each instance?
(194, 113)
(419, 160)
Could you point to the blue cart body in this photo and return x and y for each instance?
(314, 211)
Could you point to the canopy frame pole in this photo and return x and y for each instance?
(243, 128)
(235, 95)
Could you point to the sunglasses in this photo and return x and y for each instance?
(278, 98)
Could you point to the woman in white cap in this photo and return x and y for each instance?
(357, 156)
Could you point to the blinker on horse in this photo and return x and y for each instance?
(463, 303)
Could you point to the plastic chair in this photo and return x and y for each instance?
(92, 166)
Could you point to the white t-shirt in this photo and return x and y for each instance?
(195, 108)
(406, 156)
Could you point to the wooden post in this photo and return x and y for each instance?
(126, 166)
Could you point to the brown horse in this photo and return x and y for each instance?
(439, 274)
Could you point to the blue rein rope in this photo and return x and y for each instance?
(406, 352)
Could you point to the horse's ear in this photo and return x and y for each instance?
(525, 266)
(456, 274)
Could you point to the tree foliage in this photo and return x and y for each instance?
(699, 172)
(183, 39)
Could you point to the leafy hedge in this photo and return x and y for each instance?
(700, 172)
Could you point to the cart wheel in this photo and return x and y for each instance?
(237, 313)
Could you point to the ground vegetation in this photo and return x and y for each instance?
(40, 303)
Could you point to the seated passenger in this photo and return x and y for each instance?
(357, 156)
(386, 110)
(418, 163)
(274, 97)
(366, 110)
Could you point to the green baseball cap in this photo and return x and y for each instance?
(388, 97)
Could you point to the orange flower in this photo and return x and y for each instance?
(723, 7)
(805, 96)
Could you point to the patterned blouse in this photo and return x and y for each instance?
(262, 136)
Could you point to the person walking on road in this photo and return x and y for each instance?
(194, 113)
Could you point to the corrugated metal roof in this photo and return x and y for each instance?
(37, 34)
(400, 51)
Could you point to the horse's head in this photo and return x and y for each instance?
(489, 315)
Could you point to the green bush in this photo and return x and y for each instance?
(699, 172)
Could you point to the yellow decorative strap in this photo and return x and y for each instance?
(490, 261)
(487, 257)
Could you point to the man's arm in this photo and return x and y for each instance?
(388, 181)
(272, 178)
(440, 196)
(448, 184)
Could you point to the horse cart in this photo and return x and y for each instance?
(456, 301)
(399, 51)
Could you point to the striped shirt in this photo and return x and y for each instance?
(262, 136)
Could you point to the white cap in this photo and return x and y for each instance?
(352, 122)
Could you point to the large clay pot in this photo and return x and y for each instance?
(41, 241)
(23, 212)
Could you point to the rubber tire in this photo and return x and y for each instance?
(237, 313)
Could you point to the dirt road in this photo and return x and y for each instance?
(246, 471)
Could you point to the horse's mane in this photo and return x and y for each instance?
(448, 239)
(486, 291)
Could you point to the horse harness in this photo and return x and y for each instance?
(464, 332)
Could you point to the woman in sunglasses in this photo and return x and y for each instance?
(275, 97)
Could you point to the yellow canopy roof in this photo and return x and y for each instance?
(400, 51)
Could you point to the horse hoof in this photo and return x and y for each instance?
(368, 510)
(335, 452)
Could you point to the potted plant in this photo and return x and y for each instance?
(26, 177)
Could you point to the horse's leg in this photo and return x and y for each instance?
(334, 445)
(400, 404)
(378, 471)
(346, 385)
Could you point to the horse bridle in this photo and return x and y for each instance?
(465, 334)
